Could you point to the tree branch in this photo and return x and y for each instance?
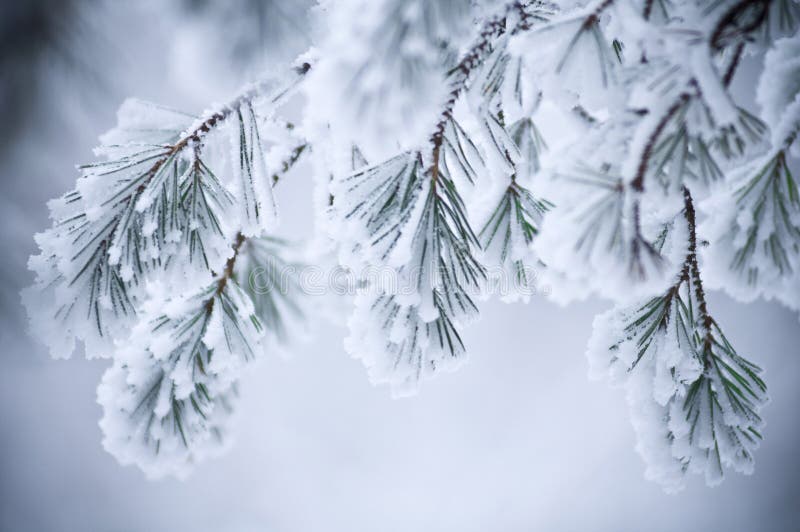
(227, 273)
(195, 136)
(691, 270)
(492, 29)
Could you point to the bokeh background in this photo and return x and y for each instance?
(517, 440)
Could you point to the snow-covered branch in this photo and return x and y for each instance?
(425, 126)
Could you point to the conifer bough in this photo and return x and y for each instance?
(425, 125)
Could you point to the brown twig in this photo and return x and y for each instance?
(734, 64)
(638, 182)
(227, 273)
(195, 136)
(692, 269)
(492, 29)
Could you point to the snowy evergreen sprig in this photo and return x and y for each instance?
(414, 219)
(671, 123)
(765, 235)
(154, 200)
(694, 401)
(168, 396)
(156, 214)
(754, 220)
(508, 235)
(170, 393)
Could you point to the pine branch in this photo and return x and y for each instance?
(168, 397)
(507, 236)
(756, 228)
(289, 162)
(227, 273)
(691, 268)
(194, 137)
(183, 400)
(676, 113)
(396, 206)
(161, 251)
(694, 400)
(128, 216)
(526, 14)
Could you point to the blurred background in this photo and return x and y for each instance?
(518, 439)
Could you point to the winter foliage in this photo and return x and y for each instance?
(460, 149)
(694, 401)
